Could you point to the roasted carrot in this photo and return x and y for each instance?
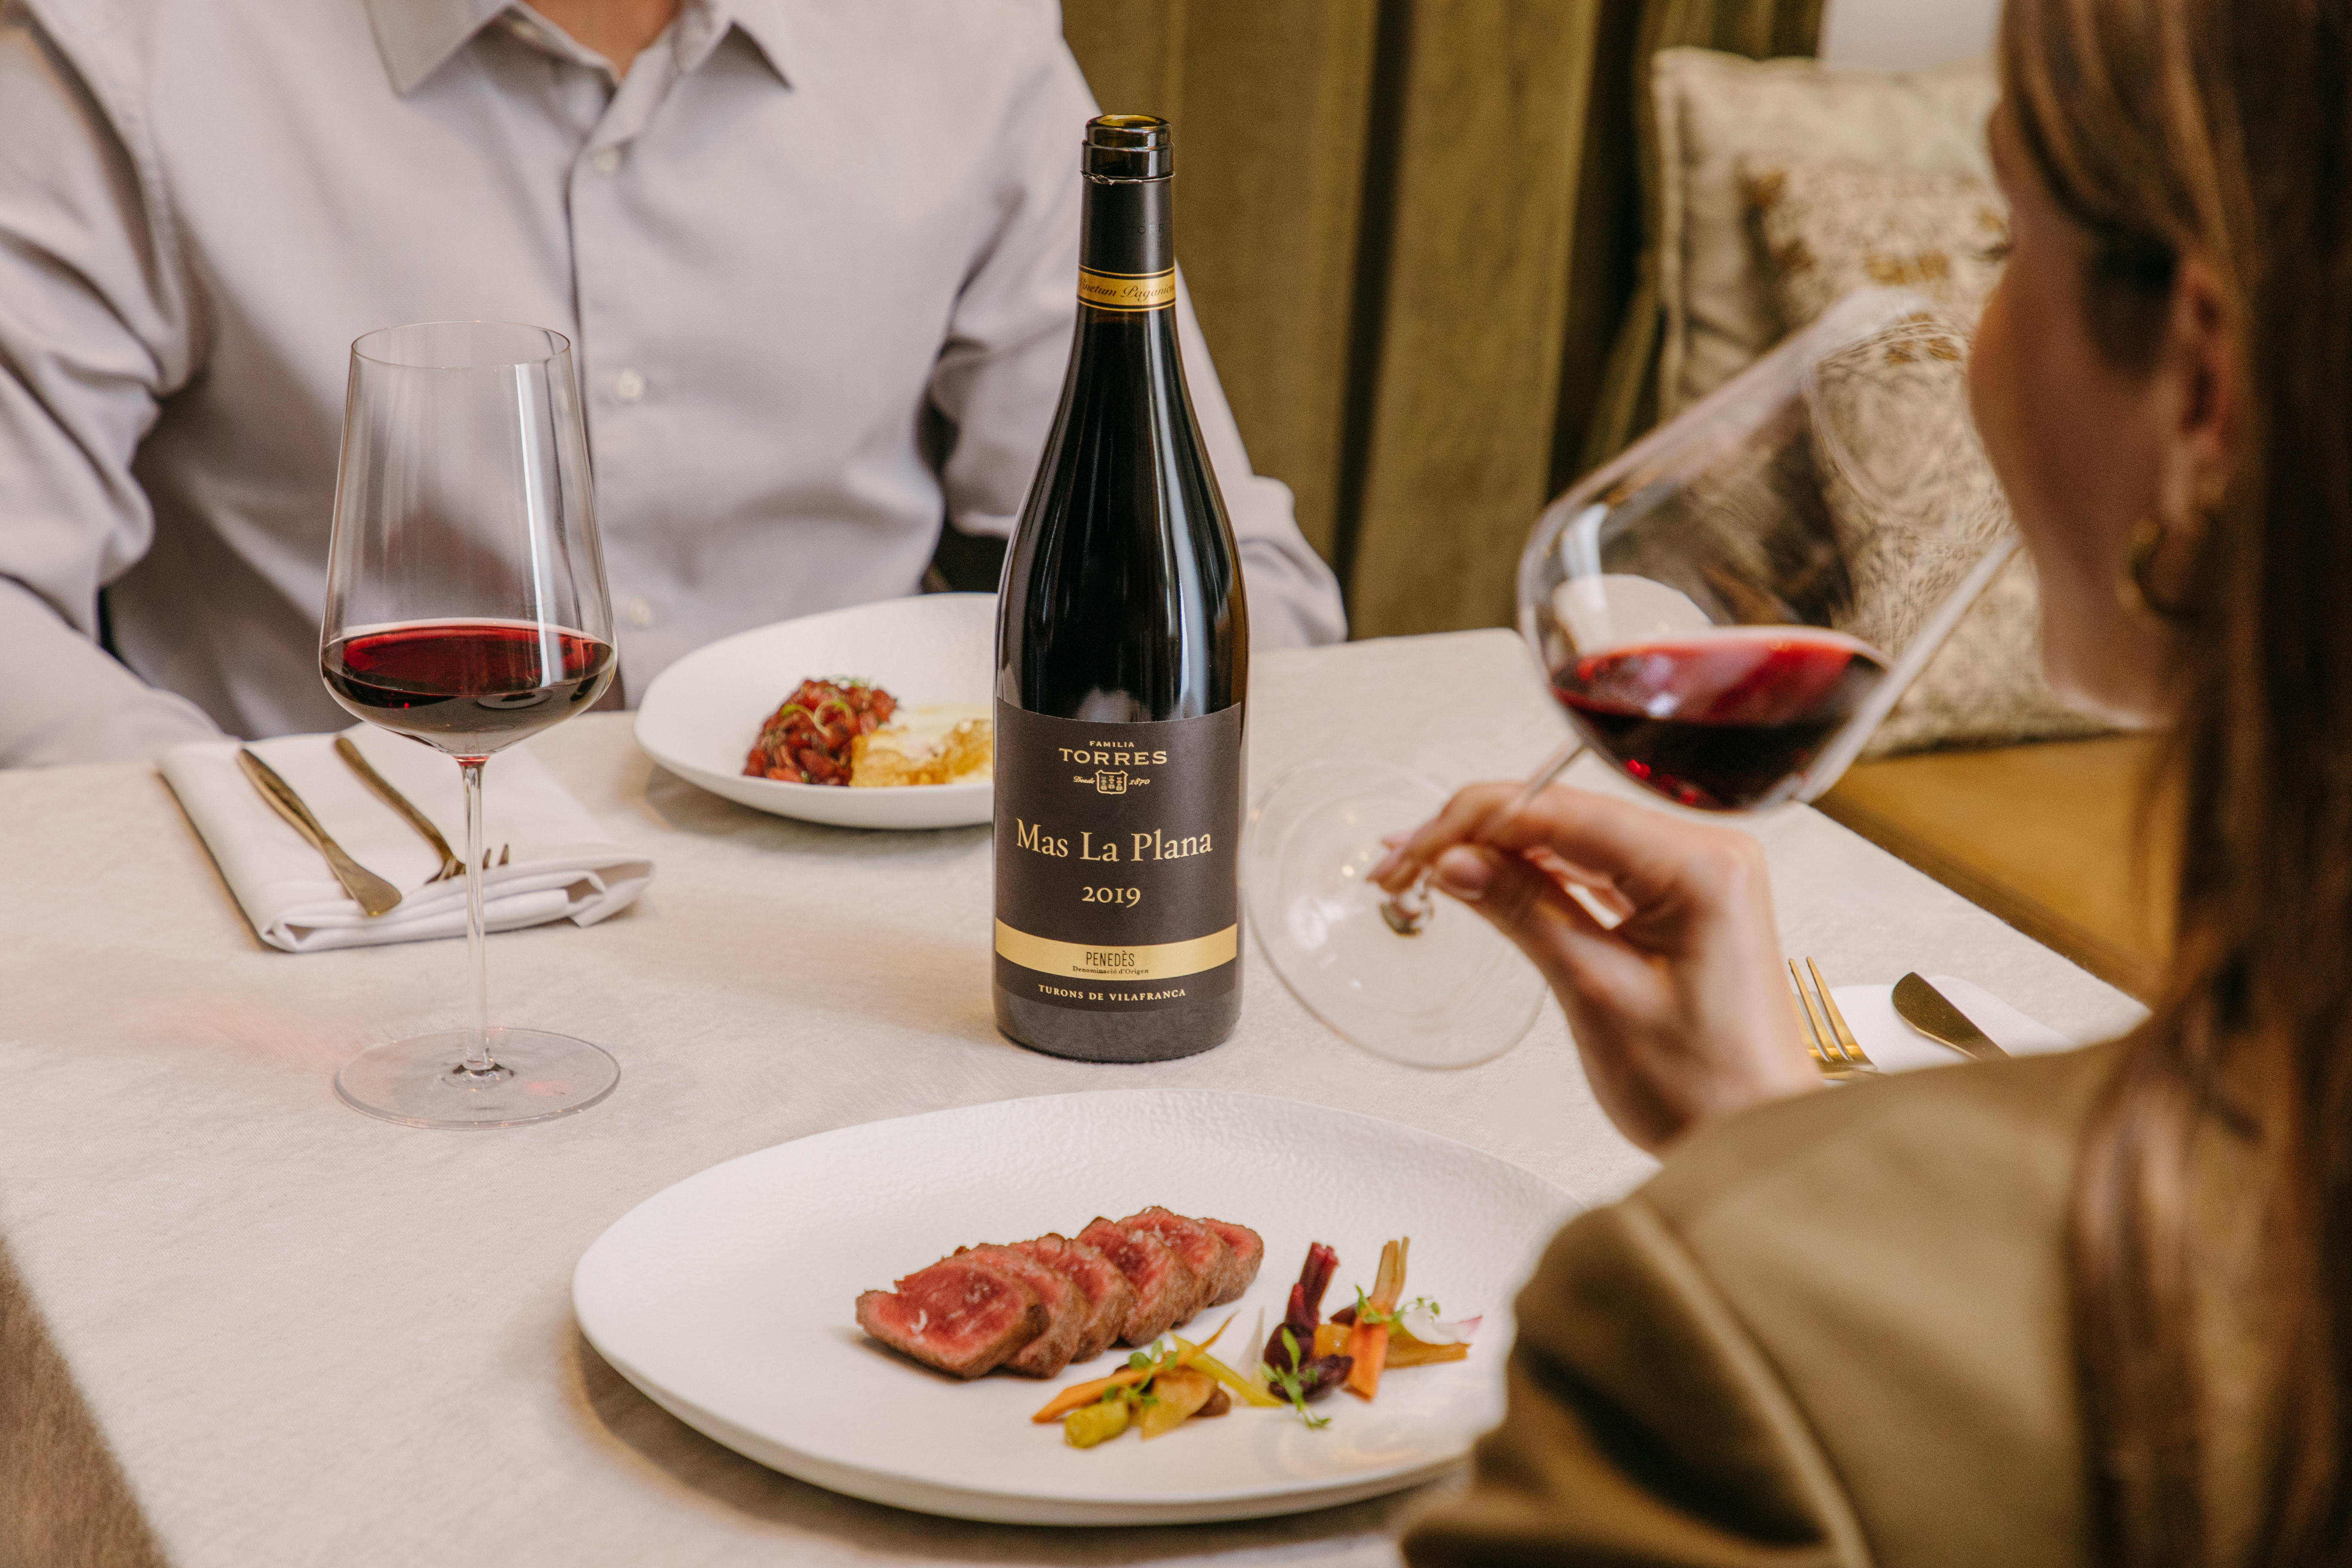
(1250, 1392)
(1191, 1350)
(1367, 1342)
(1079, 1394)
(1405, 1350)
(1388, 1285)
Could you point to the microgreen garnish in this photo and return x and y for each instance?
(1140, 1394)
(1289, 1382)
(1368, 1313)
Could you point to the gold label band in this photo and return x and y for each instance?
(1127, 290)
(1075, 961)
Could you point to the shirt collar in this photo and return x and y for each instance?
(416, 37)
(768, 23)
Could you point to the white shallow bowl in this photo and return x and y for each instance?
(730, 1300)
(700, 716)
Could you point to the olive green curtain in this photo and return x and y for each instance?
(1414, 230)
(1271, 100)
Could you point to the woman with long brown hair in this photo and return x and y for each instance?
(2086, 1308)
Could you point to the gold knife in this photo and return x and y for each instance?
(372, 893)
(450, 864)
(1931, 1013)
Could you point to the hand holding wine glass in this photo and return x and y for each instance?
(467, 610)
(1677, 1001)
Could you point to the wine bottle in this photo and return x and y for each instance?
(1122, 664)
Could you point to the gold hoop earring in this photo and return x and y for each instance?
(2132, 589)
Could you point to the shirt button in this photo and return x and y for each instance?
(523, 29)
(628, 386)
(607, 161)
(641, 612)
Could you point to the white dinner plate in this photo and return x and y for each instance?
(730, 1300)
(700, 716)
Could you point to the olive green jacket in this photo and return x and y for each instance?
(1830, 1332)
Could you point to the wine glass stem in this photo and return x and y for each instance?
(1541, 780)
(1409, 912)
(477, 1038)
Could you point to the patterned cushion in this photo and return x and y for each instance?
(1781, 185)
(1914, 503)
(1827, 229)
(1715, 111)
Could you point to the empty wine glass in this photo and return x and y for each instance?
(1726, 613)
(467, 610)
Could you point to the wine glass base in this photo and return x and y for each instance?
(422, 1081)
(1453, 993)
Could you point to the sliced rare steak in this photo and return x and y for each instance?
(1249, 1252)
(1166, 1291)
(1204, 1252)
(1109, 1297)
(956, 1315)
(1066, 1309)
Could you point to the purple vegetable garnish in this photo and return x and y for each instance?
(1306, 1309)
(1323, 1374)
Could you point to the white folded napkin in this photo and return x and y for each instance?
(1895, 1047)
(561, 866)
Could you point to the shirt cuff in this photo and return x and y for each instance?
(68, 700)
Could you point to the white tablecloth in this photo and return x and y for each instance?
(241, 1325)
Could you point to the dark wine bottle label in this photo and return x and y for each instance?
(1127, 290)
(1117, 860)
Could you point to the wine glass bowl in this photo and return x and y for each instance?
(1725, 613)
(1453, 993)
(1712, 611)
(467, 610)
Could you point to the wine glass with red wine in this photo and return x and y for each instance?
(467, 610)
(1725, 613)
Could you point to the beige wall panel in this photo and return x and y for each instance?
(1463, 425)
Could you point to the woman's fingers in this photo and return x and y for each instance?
(1411, 854)
(1679, 1008)
(1586, 886)
(1640, 852)
(1574, 951)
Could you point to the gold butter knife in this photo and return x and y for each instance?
(373, 895)
(450, 864)
(1931, 1013)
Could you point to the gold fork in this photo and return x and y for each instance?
(1835, 1050)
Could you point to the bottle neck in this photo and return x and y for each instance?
(1126, 255)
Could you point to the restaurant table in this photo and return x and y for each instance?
(241, 1324)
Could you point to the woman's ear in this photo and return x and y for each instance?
(2200, 404)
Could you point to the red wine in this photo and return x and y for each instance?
(1723, 720)
(1122, 671)
(467, 687)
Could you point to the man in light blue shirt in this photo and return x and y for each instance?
(816, 258)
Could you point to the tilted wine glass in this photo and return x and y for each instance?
(1725, 612)
(467, 610)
